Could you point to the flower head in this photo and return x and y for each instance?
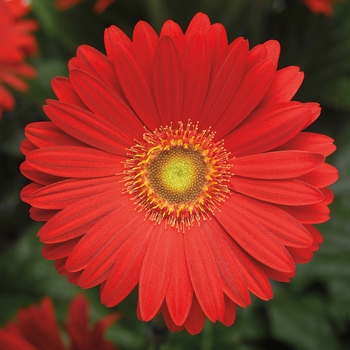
(16, 43)
(178, 163)
(36, 328)
(321, 6)
(99, 7)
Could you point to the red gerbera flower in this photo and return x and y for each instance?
(36, 328)
(321, 6)
(177, 163)
(99, 7)
(16, 42)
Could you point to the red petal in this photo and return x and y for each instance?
(230, 312)
(276, 165)
(196, 64)
(106, 104)
(61, 194)
(284, 86)
(42, 214)
(209, 286)
(127, 268)
(113, 35)
(27, 146)
(47, 134)
(199, 23)
(287, 192)
(217, 41)
(37, 176)
(99, 248)
(167, 81)
(252, 88)
(322, 176)
(65, 92)
(77, 162)
(250, 228)
(172, 29)
(99, 66)
(180, 291)
(28, 190)
(309, 214)
(156, 271)
(59, 250)
(311, 142)
(267, 128)
(135, 87)
(224, 82)
(196, 318)
(227, 262)
(144, 44)
(76, 219)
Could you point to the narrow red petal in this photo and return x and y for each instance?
(172, 29)
(180, 291)
(112, 36)
(199, 23)
(230, 312)
(65, 92)
(309, 214)
(99, 248)
(252, 88)
(98, 65)
(196, 66)
(196, 318)
(311, 142)
(287, 192)
(106, 104)
(217, 41)
(28, 190)
(144, 42)
(276, 165)
(227, 262)
(208, 287)
(59, 250)
(249, 231)
(42, 214)
(284, 86)
(76, 162)
(135, 87)
(37, 176)
(125, 274)
(267, 128)
(158, 261)
(63, 193)
(167, 81)
(224, 82)
(322, 176)
(78, 218)
(47, 134)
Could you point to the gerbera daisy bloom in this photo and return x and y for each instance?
(99, 7)
(36, 328)
(321, 6)
(178, 163)
(16, 43)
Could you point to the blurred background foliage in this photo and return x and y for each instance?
(310, 313)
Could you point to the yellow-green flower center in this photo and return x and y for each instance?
(178, 175)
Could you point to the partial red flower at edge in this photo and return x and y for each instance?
(324, 7)
(16, 43)
(36, 328)
(217, 195)
(99, 7)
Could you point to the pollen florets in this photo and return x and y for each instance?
(178, 175)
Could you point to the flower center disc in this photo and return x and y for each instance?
(178, 175)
